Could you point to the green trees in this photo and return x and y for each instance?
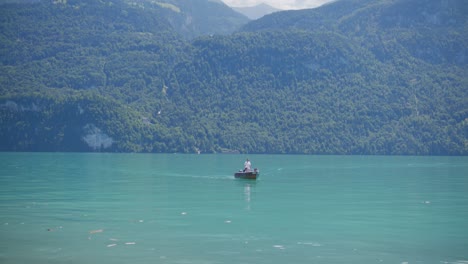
(109, 76)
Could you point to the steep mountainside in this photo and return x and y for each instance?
(432, 30)
(350, 77)
(202, 17)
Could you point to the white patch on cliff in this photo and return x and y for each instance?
(95, 138)
(13, 106)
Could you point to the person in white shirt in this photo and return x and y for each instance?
(247, 165)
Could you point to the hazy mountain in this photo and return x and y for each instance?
(201, 17)
(256, 12)
(350, 77)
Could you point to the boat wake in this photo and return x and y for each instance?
(208, 177)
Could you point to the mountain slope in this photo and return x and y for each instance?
(432, 30)
(202, 17)
(341, 79)
(289, 92)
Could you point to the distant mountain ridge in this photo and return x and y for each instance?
(201, 17)
(384, 77)
(256, 12)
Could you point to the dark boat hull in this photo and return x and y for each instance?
(251, 175)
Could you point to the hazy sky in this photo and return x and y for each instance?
(281, 4)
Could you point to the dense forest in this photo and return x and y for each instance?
(383, 77)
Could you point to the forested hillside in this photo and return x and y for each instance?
(350, 77)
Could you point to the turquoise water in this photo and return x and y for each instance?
(171, 208)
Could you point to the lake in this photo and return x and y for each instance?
(189, 209)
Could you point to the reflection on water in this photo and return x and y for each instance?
(248, 187)
(247, 195)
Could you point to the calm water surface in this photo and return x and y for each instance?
(189, 209)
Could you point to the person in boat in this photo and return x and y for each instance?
(247, 165)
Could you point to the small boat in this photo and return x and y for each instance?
(251, 174)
